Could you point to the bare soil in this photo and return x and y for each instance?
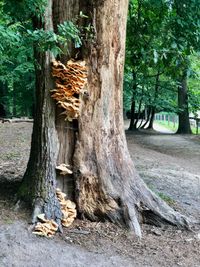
(168, 163)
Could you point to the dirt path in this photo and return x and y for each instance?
(170, 166)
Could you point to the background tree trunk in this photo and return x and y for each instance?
(183, 114)
(3, 93)
(132, 125)
(153, 108)
(151, 120)
(148, 115)
(106, 185)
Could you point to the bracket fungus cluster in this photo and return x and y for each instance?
(48, 228)
(70, 81)
(68, 209)
(64, 169)
(45, 227)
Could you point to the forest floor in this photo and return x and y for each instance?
(168, 163)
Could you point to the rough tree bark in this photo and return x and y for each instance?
(39, 182)
(106, 184)
(183, 114)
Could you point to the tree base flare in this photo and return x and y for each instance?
(142, 206)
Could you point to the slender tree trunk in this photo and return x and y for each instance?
(132, 125)
(151, 120)
(106, 185)
(14, 102)
(183, 114)
(153, 108)
(3, 93)
(132, 119)
(148, 117)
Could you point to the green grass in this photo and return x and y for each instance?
(169, 125)
(163, 196)
(10, 156)
(166, 198)
(8, 221)
(173, 126)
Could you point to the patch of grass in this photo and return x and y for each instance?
(163, 196)
(166, 198)
(10, 156)
(8, 221)
(173, 127)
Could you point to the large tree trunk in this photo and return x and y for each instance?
(39, 182)
(183, 114)
(105, 183)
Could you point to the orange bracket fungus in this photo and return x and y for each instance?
(48, 228)
(70, 81)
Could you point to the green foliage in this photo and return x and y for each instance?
(161, 37)
(18, 38)
(194, 84)
(69, 31)
(16, 68)
(23, 10)
(56, 43)
(166, 198)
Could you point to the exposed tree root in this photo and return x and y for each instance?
(154, 208)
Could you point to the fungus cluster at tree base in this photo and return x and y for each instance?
(48, 228)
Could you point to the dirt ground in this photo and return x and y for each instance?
(168, 163)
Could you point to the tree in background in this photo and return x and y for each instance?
(17, 79)
(167, 33)
(184, 22)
